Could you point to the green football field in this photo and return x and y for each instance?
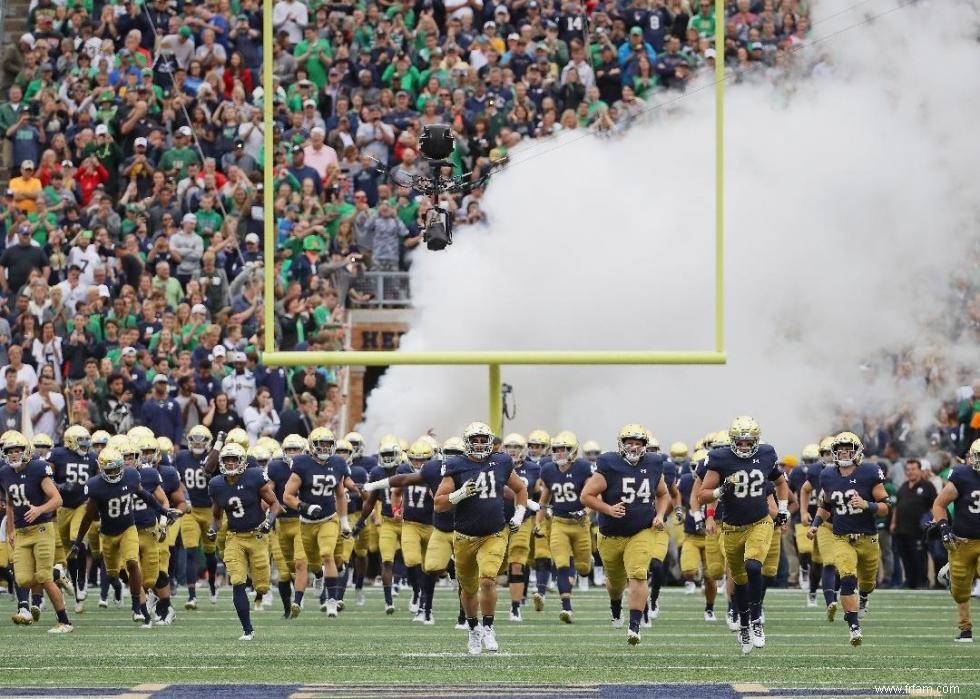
(908, 640)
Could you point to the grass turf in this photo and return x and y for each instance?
(908, 639)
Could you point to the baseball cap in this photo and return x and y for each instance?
(636, 31)
(238, 357)
(67, 163)
(252, 238)
(28, 39)
(160, 378)
(126, 351)
(185, 32)
(709, 53)
(489, 23)
(513, 36)
(218, 351)
(147, 71)
(199, 308)
(189, 218)
(28, 164)
(139, 142)
(309, 103)
(239, 143)
(101, 130)
(755, 46)
(184, 131)
(501, 10)
(104, 291)
(541, 46)
(47, 67)
(313, 242)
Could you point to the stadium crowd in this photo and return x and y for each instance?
(131, 227)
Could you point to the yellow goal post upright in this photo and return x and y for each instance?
(493, 360)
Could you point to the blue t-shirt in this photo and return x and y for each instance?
(483, 513)
(150, 480)
(747, 503)
(431, 473)
(279, 472)
(194, 476)
(566, 486)
(966, 518)
(837, 491)
(23, 487)
(241, 500)
(115, 501)
(635, 487)
(75, 470)
(318, 482)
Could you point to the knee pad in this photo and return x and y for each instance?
(162, 580)
(516, 578)
(848, 584)
(753, 567)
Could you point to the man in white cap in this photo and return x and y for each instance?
(239, 386)
(139, 166)
(319, 155)
(175, 160)
(187, 248)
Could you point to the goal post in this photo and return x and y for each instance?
(493, 360)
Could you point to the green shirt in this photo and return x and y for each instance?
(178, 159)
(705, 24)
(316, 69)
(208, 219)
(190, 337)
(343, 210)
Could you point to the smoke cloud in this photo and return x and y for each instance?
(848, 204)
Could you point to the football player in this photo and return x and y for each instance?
(110, 495)
(389, 535)
(591, 451)
(736, 475)
(196, 465)
(288, 529)
(73, 464)
(804, 547)
(173, 489)
(32, 499)
(359, 466)
(962, 540)
(42, 446)
(629, 493)
(680, 455)
(855, 494)
(317, 491)
(151, 529)
(519, 546)
(417, 525)
(658, 562)
(699, 550)
(474, 484)
(824, 545)
(562, 481)
(345, 544)
(240, 493)
(538, 448)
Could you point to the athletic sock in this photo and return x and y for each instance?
(242, 607)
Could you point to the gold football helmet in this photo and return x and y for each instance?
(238, 436)
(744, 435)
(678, 451)
(564, 447)
(591, 450)
(292, 446)
(810, 454)
(515, 447)
(345, 450)
(261, 453)
(635, 433)
(719, 439)
(847, 449)
(826, 450)
(149, 450)
(478, 438)
(77, 439)
(321, 443)
(199, 440)
(390, 453)
(135, 433)
(231, 459)
(16, 448)
(165, 446)
(538, 443)
(100, 439)
(420, 452)
(653, 444)
(357, 442)
(973, 456)
(111, 464)
(700, 455)
(453, 447)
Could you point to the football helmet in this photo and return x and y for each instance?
(292, 446)
(149, 450)
(653, 444)
(420, 452)
(321, 443)
(973, 456)
(345, 450)
(77, 439)
(699, 445)
(538, 443)
(567, 441)
(591, 450)
(515, 447)
(199, 440)
(744, 429)
(700, 455)
(434, 443)
(111, 464)
(678, 451)
(165, 446)
(238, 436)
(390, 454)
(478, 438)
(453, 447)
(847, 449)
(16, 448)
(261, 453)
(100, 439)
(632, 452)
(719, 439)
(403, 445)
(357, 442)
(231, 459)
(135, 433)
(826, 450)
(129, 451)
(810, 454)
(42, 445)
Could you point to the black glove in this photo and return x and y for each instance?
(74, 552)
(949, 539)
(314, 511)
(211, 534)
(781, 519)
(172, 515)
(266, 526)
(727, 487)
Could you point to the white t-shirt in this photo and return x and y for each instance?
(44, 422)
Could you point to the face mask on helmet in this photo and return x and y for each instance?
(632, 450)
(84, 445)
(14, 456)
(844, 455)
(198, 444)
(322, 449)
(827, 457)
(289, 454)
(389, 457)
(347, 456)
(479, 446)
(148, 458)
(561, 455)
(535, 450)
(593, 455)
(232, 465)
(514, 451)
(745, 448)
(129, 458)
(112, 473)
(358, 450)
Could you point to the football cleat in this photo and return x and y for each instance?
(966, 636)
(976, 589)
(167, 620)
(323, 606)
(294, 610)
(617, 623)
(762, 616)
(22, 617)
(61, 628)
(516, 617)
(709, 615)
(690, 588)
(732, 620)
(645, 622)
(147, 624)
(332, 608)
(190, 604)
(137, 617)
(79, 607)
(317, 585)
(474, 643)
(583, 584)
(655, 612)
(461, 627)
(744, 638)
(490, 639)
(856, 637)
(538, 600)
(863, 607)
(35, 612)
(103, 603)
(429, 620)
(831, 612)
(389, 609)
(804, 580)
(758, 634)
(80, 595)
(811, 600)
(419, 617)
(257, 605)
(599, 576)
(359, 598)
(247, 636)
(413, 607)
(340, 605)
(214, 596)
(567, 616)
(632, 637)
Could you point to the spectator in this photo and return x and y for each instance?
(46, 410)
(193, 406)
(12, 414)
(239, 386)
(299, 420)
(161, 413)
(25, 189)
(261, 418)
(913, 508)
(221, 416)
(968, 415)
(26, 374)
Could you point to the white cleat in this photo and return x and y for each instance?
(332, 608)
(317, 585)
(22, 617)
(804, 580)
(633, 637)
(474, 643)
(247, 636)
(190, 604)
(709, 615)
(61, 628)
(617, 623)
(137, 617)
(169, 619)
(599, 576)
(79, 606)
(103, 604)
(811, 601)
(490, 639)
(36, 612)
(214, 596)
(758, 634)
(294, 610)
(117, 602)
(645, 623)
(538, 600)
(461, 627)
(147, 624)
(583, 584)
(81, 594)
(831, 612)
(359, 600)
(257, 605)
(731, 619)
(567, 616)
(419, 617)
(976, 589)
(429, 620)
(389, 609)
(340, 605)
(856, 637)
(413, 607)
(690, 588)
(762, 616)
(744, 638)
(516, 617)
(655, 612)
(323, 606)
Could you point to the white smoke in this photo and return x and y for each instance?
(847, 204)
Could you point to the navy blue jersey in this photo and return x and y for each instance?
(150, 480)
(115, 501)
(194, 476)
(966, 518)
(432, 475)
(70, 468)
(747, 503)
(529, 472)
(241, 500)
(685, 484)
(813, 472)
(318, 482)
(279, 472)
(170, 480)
(366, 462)
(380, 473)
(701, 470)
(566, 486)
(670, 471)
(360, 477)
(837, 491)
(634, 486)
(796, 479)
(23, 487)
(416, 502)
(482, 514)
